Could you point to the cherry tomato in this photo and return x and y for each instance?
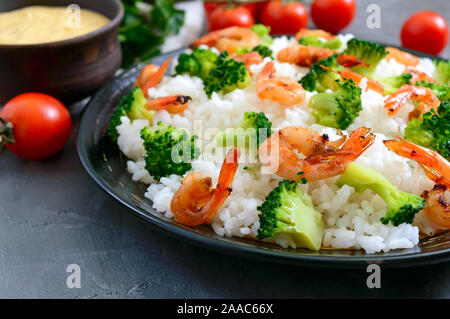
(260, 6)
(42, 125)
(425, 31)
(333, 15)
(224, 17)
(211, 6)
(252, 7)
(284, 18)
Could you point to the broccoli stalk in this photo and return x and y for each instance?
(402, 207)
(132, 106)
(263, 32)
(393, 83)
(322, 75)
(337, 109)
(254, 130)
(199, 63)
(432, 130)
(313, 40)
(227, 76)
(287, 211)
(371, 53)
(442, 91)
(442, 75)
(168, 151)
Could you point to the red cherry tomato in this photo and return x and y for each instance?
(333, 15)
(251, 7)
(42, 125)
(425, 31)
(284, 18)
(260, 6)
(211, 6)
(224, 17)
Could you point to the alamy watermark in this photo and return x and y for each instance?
(73, 16)
(374, 19)
(374, 279)
(74, 278)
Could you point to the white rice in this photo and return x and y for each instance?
(351, 220)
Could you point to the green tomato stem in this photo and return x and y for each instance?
(6, 133)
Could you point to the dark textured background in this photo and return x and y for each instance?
(52, 215)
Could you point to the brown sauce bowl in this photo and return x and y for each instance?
(70, 69)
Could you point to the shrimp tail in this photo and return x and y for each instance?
(349, 61)
(173, 104)
(395, 101)
(430, 161)
(156, 77)
(337, 143)
(223, 188)
(359, 141)
(146, 73)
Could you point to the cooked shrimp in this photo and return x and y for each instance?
(437, 169)
(348, 61)
(438, 208)
(249, 58)
(151, 75)
(145, 74)
(303, 55)
(280, 89)
(195, 202)
(229, 39)
(322, 160)
(357, 78)
(317, 32)
(435, 166)
(402, 57)
(427, 100)
(172, 104)
(418, 75)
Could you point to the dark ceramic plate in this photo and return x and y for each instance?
(107, 166)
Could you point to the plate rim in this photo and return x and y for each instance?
(236, 248)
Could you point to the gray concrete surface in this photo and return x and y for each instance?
(52, 215)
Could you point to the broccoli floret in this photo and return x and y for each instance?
(442, 91)
(371, 53)
(442, 75)
(254, 130)
(322, 75)
(263, 51)
(263, 32)
(169, 150)
(393, 83)
(219, 73)
(313, 40)
(339, 108)
(402, 207)
(199, 63)
(132, 106)
(432, 130)
(227, 76)
(287, 211)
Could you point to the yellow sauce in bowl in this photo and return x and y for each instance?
(41, 24)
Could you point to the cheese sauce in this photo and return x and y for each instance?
(41, 24)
